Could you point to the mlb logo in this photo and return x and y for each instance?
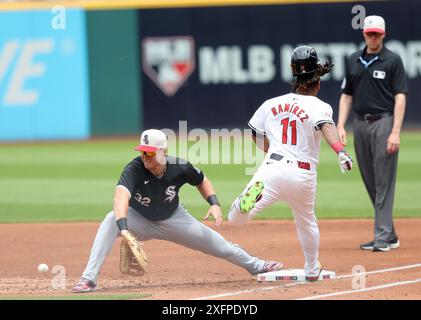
(168, 61)
(379, 74)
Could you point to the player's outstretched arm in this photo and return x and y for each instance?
(208, 193)
(331, 136)
(121, 207)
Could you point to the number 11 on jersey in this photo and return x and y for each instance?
(285, 123)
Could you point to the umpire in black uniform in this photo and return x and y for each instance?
(375, 86)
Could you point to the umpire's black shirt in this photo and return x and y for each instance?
(374, 80)
(157, 198)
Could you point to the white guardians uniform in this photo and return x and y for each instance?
(291, 124)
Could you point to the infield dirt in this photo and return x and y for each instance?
(178, 273)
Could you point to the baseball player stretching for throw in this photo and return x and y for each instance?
(146, 204)
(291, 127)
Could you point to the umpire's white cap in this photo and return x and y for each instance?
(374, 24)
(152, 140)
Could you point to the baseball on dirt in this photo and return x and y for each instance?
(42, 268)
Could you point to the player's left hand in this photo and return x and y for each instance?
(345, 161)
(215, 211)
(393, 143)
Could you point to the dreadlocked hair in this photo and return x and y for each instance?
(305, 82)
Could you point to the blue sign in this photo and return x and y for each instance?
(215, 66)
(43, 75)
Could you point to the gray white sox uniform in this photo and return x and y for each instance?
(155, 213)
(291, 123)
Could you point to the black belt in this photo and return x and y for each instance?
(300, 164)
(371, 117)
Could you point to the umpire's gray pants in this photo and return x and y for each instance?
(180, 228)
(378, 170)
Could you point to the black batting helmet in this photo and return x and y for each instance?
(304, 61)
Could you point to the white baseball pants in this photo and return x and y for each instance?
(297, 187)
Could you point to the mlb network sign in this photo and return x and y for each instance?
(43, 77)
(214, 66)
(169, 61)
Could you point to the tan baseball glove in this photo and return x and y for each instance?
(133, 259)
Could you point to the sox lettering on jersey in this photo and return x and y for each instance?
(171, 193)
(294, 109)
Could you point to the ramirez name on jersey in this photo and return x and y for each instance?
(291, 108)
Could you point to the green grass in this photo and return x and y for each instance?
(84, 296)
(75, 182)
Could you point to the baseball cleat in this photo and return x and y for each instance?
(316, 277)
(252, 195)
(394, 244)
(382, 246)
(367, 246)
(270, 266)
(84, 285)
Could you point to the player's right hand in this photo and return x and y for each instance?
(215, 211)
(345, 161)
(342, 135)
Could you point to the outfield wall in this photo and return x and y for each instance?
(43, 77)
(115, 72)
(215, 66)
(69, 77)
(114, 79)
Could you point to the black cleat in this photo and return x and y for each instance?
(381, 246)
(367, 246)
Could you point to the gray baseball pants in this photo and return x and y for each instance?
(378, 170)
(180, 228)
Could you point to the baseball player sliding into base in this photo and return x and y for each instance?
(289, 128)
(146, 206)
